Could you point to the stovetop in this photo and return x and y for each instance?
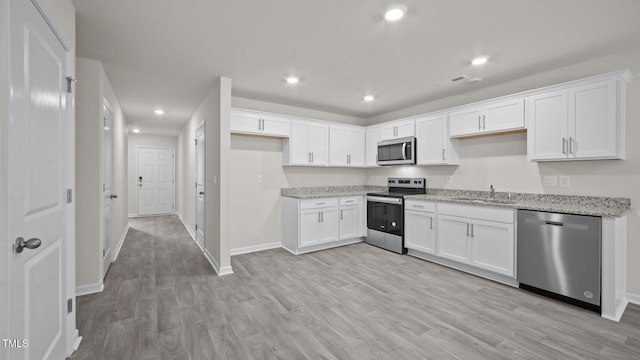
(401, 187)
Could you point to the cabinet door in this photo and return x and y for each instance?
(388, 132)
(465, 122)
(318, 143)
(372, 137)
(245, 122)
(309, 227)
(504, 115)
(430, 140)
(356, 143)
(453, 238)
(547, 137)
(329, 225)
(492, 247)
(592, 120)
(272, 125)
(350, 222)
(419, 231)
(339, 145)
(300, 153)
(405, 129)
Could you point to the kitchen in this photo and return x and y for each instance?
(253, 172)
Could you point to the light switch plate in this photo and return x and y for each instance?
(549, 180)
(564, 181)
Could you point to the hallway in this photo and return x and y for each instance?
(148, 298)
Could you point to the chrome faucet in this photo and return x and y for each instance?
(493, 192)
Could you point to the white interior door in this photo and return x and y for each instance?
(37, 168)
(107, 186)
(200, 224)
(155, 180)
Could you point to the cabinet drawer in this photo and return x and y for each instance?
(318, 203)
(351, 200)
(482, 212)
(417, 205)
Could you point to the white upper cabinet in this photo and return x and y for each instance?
(581, 122)
(372, 137)
(346, 145)
(308, 145)
(433, 145)
(397, 129)
(487, 118)
(257, 123)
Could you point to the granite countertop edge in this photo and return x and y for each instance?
(579, 205)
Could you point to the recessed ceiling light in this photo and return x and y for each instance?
(293, 80)
(480, 60)
(159, 111)
(368, 98)
(135, 130)
(395, 13)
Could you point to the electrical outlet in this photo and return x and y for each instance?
(564, 181)
(259, 179)
(550, 181)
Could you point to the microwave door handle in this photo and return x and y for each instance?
(404, 151)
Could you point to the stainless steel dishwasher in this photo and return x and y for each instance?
(559, 255)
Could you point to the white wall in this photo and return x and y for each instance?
(215, 112)
(501, 160)
(92, 87)
(260, 203)
(136, 140)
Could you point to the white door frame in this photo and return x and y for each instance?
(173, 159)
(108, 257)
(69, 245)
(204, 176)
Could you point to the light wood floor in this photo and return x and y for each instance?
(163, 301)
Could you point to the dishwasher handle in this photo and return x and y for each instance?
(554, 223)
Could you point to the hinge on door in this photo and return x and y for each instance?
(69, 196)
(69, 306)
(70, 81)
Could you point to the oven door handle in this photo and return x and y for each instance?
(380, 199)
(404, 151)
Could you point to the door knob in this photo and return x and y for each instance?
(20, 244)
(201, 193)
(113, 196)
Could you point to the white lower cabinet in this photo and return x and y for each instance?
(479, 236)
(316, 224)
(420, 226)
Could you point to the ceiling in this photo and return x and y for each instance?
(167, 54)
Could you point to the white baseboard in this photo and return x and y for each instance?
(186, 226)
(121, 242)
(255, 248)
(226, 270)
(89, 289)
(633, 298)
(78, 340)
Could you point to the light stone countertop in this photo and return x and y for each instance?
(569, 204)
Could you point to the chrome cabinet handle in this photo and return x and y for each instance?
(318, 216)
(322, 216)
(564, 145)
(479, 122)
(312, 156)
(471, 230)
(484, 122)
(259, 120)
(20, 244)
(341, 214)
(113, 196)
(201, 193)
(443, 155)
(467, 229)
(571, 145)
(431, 223)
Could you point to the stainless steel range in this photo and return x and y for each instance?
(385, 213)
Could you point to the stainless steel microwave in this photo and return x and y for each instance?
(400, 151)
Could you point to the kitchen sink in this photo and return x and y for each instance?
(486, 201)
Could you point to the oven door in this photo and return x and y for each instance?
(385, 214)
